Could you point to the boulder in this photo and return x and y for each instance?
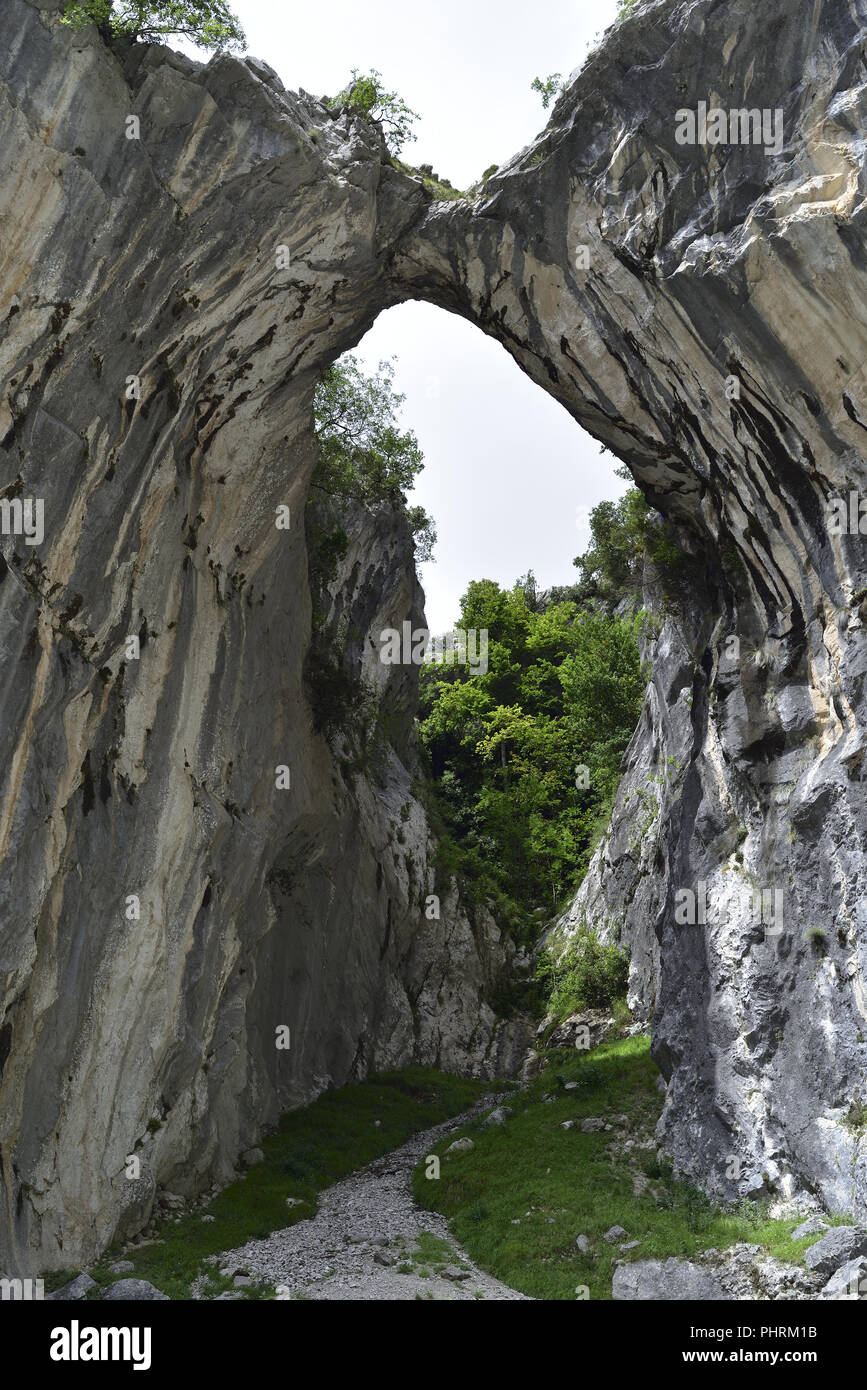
(75, 1290)
(841, 1244)
(497, 1117)
(848, 1282)
(664, 1280)
(138, 1290)
(460, 1146)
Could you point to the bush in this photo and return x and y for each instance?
(586, 975)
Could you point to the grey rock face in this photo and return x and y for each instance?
(838, 1247)
(166, 908)
(745, 774)
(660, 1280)
(743, 1273)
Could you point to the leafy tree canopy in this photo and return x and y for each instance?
(207, 23)
(364, 455)
(562, 691)
(367, 95)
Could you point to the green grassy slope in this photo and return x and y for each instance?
(520, 1198)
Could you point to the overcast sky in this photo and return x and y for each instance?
(508, 475)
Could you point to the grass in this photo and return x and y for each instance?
(311, 1149)
(520, 1198)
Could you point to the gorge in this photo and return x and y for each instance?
(634, 278)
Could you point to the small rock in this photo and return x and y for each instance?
(629, 1245)
(813, 1226)
(122, 1267)
(583, 1245)
(571, 1086)
(460, 1146)
(227, 1295)
(592, 1126)
(251, 1157)
(76, 1289)
(208, 1217)
(456, 1275)
(498, 1116)
(138, 1289)
(566, 1124)
(382, 1257)
(614, 1234)
(242, 1281)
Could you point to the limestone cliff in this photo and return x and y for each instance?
(632, 276)
(158, 371)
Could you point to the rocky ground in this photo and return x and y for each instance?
(369, 1241)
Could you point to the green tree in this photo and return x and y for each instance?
(207, 23)
(562, 691)
(367, 95)
(613, 564)
(364, 455)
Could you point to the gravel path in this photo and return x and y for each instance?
(367, 1217)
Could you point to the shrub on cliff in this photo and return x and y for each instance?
(367, 95)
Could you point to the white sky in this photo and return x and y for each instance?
(509, 476)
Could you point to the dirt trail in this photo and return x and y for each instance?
(366, 1218)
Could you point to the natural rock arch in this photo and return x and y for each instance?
(155, 258)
